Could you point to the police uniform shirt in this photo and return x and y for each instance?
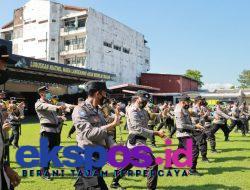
(2, 153)
(183, 122)
(47, 114)
(235, 112)
(195, 114)
(243, 112)
(137, 121)
(90, 125)
(219, 116)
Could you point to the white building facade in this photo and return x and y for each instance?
(79, 37)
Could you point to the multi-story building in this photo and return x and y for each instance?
(79, 37)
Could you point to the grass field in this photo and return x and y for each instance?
(229, 169)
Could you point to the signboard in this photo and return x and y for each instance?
(40, 65)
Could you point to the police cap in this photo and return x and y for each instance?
(197, 98)
(185, 98)
(43, 89)
(143, 94)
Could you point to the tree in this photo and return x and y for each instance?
(194, 74)
(232, 87)
(244, 79)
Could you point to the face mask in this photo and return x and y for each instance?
(186, 107)
(102, 100)
(143, 104)
(48, 96)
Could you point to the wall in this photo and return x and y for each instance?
(167, 83)
(127, 67)
(188, 85)
(39, 22)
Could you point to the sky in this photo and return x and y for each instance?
(212, 36)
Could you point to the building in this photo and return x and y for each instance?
(21, 76)
(79, 37)
(168, 83)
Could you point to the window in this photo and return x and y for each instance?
(53, 39)
(29, 22)
(67, 61)
(8, 36)
(117, 48)
(43, 40)
(52, 58)
(30, 40)
(53, 20)
(73, 44)
(69, 25)
(18, 33)
(42, 21)
(107, 44)
(125, 50)
(81, 22)
(146, 61)
(75, 61)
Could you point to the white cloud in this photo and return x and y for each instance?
(215, 86)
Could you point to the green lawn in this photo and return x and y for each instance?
(229, 169)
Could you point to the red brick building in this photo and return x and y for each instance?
(168, 83)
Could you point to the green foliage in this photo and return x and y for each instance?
(194, 74)
(244, 79)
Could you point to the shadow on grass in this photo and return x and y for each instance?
(242, 140)
(66, 142)
(217, 170)
(234, 149)
(193, 187)
(225, 159)
(30, 120)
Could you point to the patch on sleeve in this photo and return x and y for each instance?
(82, 113)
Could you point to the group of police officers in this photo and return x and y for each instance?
(95, 121)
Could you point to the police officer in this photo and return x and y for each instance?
(8, 177)
(137, 121)
(244, 116)
(206, 121)
(62, 113)
(14, 119)
(220, 121)
(73, 129)
(92, 129)
(49, 121)
(163, 119)
(170, 120)
(108, 110)
(185, 130)
(199, 135)
(235, 120)
(152, 120)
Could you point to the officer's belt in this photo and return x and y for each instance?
(184, 130)
(132, 138)
(50, 125)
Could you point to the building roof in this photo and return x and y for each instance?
(133, 87)
(231, 90)
(7, 25)
(172, 75)
(74, 8)
(29, 69)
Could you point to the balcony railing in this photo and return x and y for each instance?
(72, 31)
(72, 28)
(73, 47)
